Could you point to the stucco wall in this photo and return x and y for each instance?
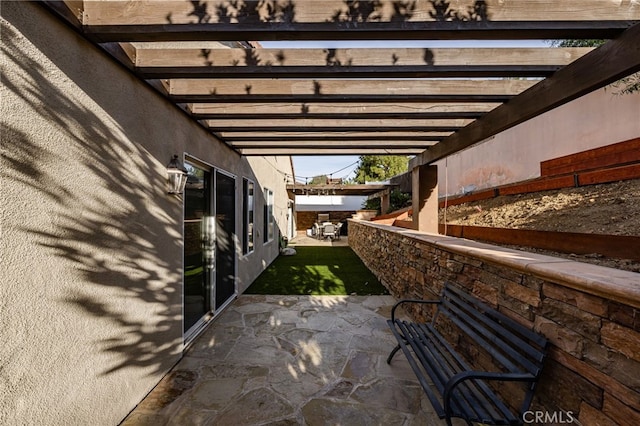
(91, 253)
(589, 314)
(597, 119)
(270, 173)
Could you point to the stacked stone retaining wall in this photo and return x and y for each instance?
(590, 314)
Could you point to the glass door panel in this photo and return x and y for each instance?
(225, 268)
(198, 240)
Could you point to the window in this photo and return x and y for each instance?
(268, 215)
(247, 214)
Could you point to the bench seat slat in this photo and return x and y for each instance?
(481, 330)
(495, 322)
(447, 362)
(440, 362)
(422, 379)
(460, 366)
(496, 316)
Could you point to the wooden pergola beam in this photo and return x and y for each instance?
(336, 140)
(342, 116)
(363, 145)
(303, 109)
(319, 87)
(331, 129)
(336, 99)
(314, 123)
(480, 30)
(306, 134)
(334, 19)
(607, 64)
(328, 151)
(314, 72)
(341, 57)
(253, 12)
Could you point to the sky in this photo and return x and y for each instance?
(309, 166)
(335, 166)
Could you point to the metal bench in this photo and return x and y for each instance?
(456, 389)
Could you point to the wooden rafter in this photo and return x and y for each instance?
(329, 151)
(100, 12)
(344, 91)
(242, 129)
(305, 133)
(335, 19)
(475, 30)
(256, 58)
(314, 123)
(340, 116)
(360, 100)
(338, 99)
(610, 62)
(313, 72)
(337, 140)
(382, 107)
(290, 87)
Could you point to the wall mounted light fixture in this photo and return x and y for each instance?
(176, 176)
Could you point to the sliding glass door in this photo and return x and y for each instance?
(225, 238)
(197, 246)
(209, 244)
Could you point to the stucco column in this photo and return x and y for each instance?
(385, 202)
(424, 198)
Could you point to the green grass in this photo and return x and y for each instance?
(318, 271)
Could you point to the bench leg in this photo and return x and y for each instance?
(393, 352)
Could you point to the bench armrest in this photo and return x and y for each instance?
(400, 302)
(483, 375)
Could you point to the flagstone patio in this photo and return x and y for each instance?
(285, 360)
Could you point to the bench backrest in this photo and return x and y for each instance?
(511, 345)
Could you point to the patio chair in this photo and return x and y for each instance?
(338, 228)
(329, 231)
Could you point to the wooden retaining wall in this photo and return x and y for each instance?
(611, 163)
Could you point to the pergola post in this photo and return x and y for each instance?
(424, 198)
(385, 201)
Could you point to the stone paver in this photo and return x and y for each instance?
(291, 360)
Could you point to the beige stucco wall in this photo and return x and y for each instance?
(272, 172)
(91, 250)
(597, 119)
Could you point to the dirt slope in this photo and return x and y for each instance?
(604, 209)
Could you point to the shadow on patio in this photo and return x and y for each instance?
(312, 360)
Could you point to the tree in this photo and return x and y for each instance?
(397, 200)
(377, 168)
(625, 85)
(318, 180)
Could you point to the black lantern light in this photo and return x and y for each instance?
(176, 176)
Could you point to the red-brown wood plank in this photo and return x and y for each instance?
(610, 175)
(537, 185)
(616, 246)
(606, 156)
(476, 196)
(408, 224)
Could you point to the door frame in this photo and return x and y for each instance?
(194, 331)
(235, 240)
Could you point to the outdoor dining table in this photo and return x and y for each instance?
(320, 227)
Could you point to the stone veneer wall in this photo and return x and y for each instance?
(590, 314)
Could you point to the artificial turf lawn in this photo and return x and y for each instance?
(318, 271)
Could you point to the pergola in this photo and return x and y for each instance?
(207, 58)
(428, 102)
